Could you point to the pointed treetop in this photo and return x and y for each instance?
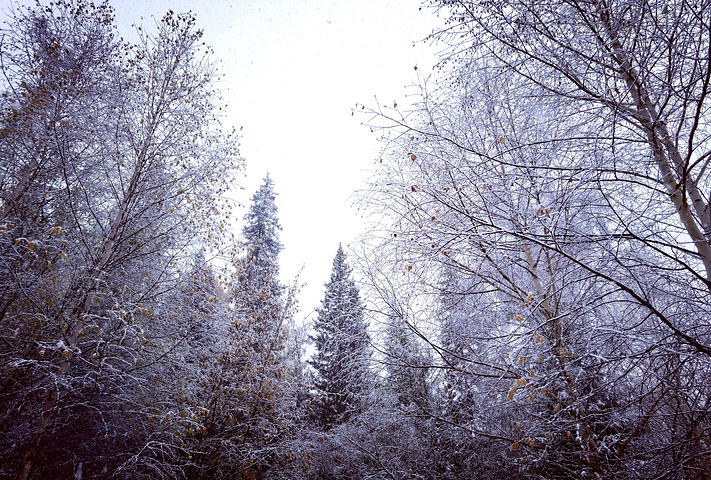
(341, 270)
(261, 229)
(342, 346)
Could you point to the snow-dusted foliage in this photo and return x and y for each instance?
(257, 290)
(545, 231)
(112, 168)
(535, 294)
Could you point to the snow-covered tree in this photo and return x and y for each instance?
(407, 366)
(540, 333)
(111, 158)
(559, 174)
(342, 347)
(260, 266)
(248, 391)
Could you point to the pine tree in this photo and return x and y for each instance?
(342, 340)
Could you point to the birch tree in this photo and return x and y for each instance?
(113, 166)
(486, 183)
(633, 77)
(636, 75)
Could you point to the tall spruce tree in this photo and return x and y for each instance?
(250, 387)
(342, 344)
(260, 267)
(406, 364)
(258, 292)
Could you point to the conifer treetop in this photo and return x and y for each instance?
(261, 229)
(341, 305)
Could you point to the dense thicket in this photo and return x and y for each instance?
(112, 172)
(545, 234)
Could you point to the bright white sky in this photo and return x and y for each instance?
(293, 71)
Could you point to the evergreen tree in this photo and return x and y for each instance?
(249, 390)
(261, 236)
(458, 346)
(258, 292)
(342, 340)
(406, 364)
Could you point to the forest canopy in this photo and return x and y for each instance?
(531, 301)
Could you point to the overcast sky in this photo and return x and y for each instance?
(293, 72)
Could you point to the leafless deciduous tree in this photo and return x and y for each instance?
(547, 203)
